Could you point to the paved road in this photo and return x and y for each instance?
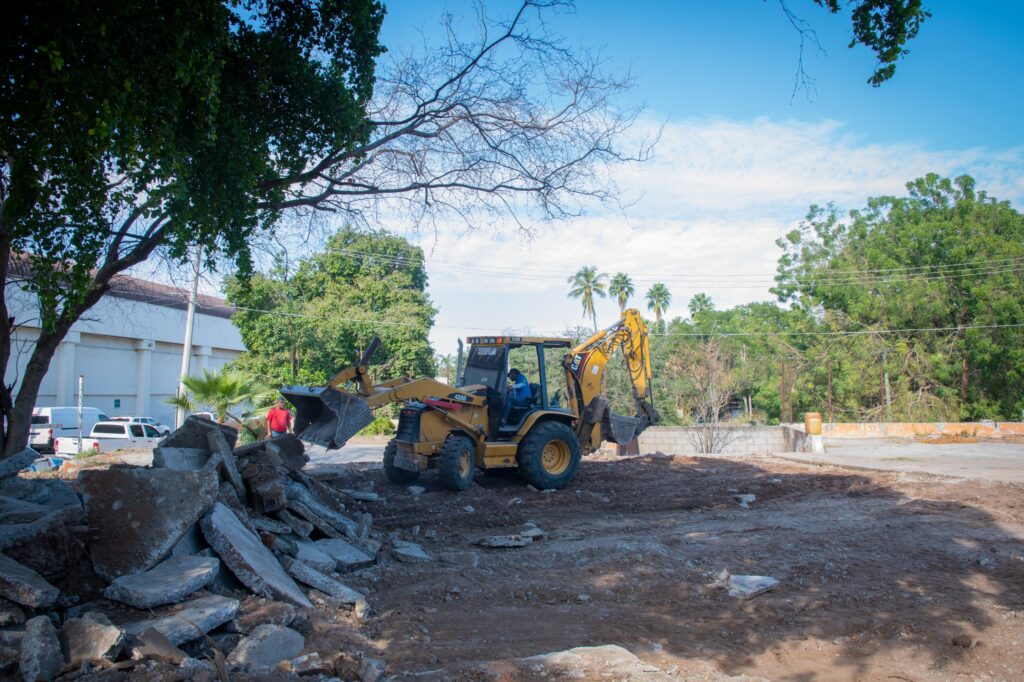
(989, 460)
(353, 452)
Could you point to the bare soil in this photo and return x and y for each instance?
(880, 572)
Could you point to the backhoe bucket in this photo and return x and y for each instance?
(327, 416)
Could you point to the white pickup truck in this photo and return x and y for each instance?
(109, 436)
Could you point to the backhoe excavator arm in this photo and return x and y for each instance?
(585, 367)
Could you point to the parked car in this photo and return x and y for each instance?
(107, 436)
(51, 423)
(162, 429)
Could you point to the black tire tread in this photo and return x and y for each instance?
(448, 462)
(394, 474)
(531, 448)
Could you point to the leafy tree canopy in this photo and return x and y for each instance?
(302, 326)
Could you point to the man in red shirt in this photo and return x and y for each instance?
(279, 420)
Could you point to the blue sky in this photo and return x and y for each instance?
(741, 157)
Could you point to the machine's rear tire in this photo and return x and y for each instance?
(457, 462)
(394, 474)
(549, 455)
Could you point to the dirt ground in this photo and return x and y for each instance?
(879, 572)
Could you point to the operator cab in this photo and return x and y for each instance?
(487, 364)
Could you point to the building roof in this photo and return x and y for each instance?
(134, 289)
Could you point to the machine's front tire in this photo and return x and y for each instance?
(457, 462)
(394, 474)
(549, 455)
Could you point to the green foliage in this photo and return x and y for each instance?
(221, 392)
(322, 315)
(585, 285)
(380, 426)
(659, 298)
(86, 454)
(621, 287)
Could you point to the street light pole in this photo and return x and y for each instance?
(186, 351)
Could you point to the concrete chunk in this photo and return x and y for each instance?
(167, 582)
(266, 647)
(264, 525)
(10, 614)
(136, 516)
(348, 556)
(300, 527)
(41, 656)
(46, 545)
(223, 460)
(299, 492)
(255, 612)
(180, 459)
(153, 645)
(308, 575)
(15, 463)
(750, 586)
(505, 541)
(91, 638)
(409, 552)
(245, 555)
(24, 586)
(192, 434)
(290, 450)
(315, 557)
(184, 622)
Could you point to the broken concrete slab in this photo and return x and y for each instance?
(91, 638)
(290, 450)
(179, 623)
(300, 527)
(750, 586)
(409, 552)
(153, 645)
(255, 611)
(180, 459)
(315, 520)
(10, 614)
(744, 500)
(416, 490)
(24, 586)
(348, 556)
(167, 582)
(266, 646)
(136, 516)
(309, 553)
(361, 495)
(308, 575)
(609, 661)
(47, 545)
(266, 489)
(249, 560)
(192, 434)
(265, 525)
(505, 541)
(299, 492)
(190, 544)
(41, 655)
(223, 460)
(309, 664)
(15, 463)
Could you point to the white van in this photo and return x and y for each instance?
(50, 423)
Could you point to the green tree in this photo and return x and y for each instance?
(585, 285)
(221, 392)
(621, 287)
(945, 256)
(659, 298)
(302, 327)
(700, 303)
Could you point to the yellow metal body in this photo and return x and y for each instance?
(463, 411)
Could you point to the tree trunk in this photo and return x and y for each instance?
(828, 370)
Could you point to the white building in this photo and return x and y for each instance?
(128, 347)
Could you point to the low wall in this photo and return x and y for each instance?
(983, 429)
(736, 440)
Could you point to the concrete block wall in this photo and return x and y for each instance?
(737, 440)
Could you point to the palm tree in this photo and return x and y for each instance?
(219, 391)
(700, 303)
(586, 284)
(658, 300)
(621, 287)
(445, 364)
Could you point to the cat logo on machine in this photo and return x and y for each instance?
(576, 360)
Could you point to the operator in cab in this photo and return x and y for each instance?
(518, 393)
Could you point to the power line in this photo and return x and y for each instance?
(856, 332)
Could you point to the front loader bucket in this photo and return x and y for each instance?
(327, 416)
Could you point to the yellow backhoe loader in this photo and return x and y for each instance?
(459, 429)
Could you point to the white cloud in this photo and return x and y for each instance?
(709, 207)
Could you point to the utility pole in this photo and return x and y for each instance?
(186, 351)
(81, 394)
(828, 371)
(885, 382)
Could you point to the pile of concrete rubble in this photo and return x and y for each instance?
(210, 561)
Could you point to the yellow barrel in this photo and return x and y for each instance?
(812, 423)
